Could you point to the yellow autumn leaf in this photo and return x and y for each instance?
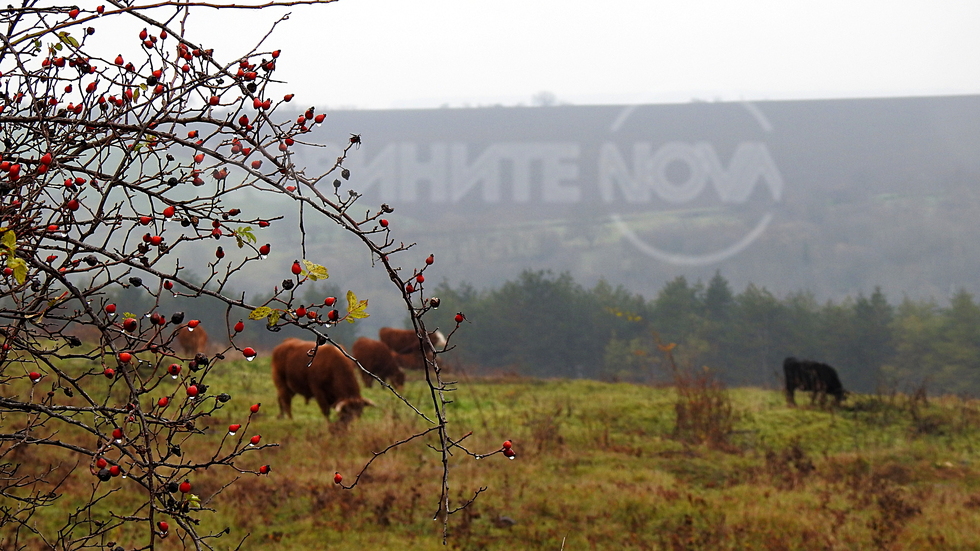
(315, 271)
(356, 309)
(261, 312)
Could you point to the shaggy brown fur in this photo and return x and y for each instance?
(376, 357)
(405, 343)
(193, 342)
(329, 379)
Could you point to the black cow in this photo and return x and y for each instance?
(818, 378)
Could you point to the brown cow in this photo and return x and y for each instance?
(405, 342)
(193, 341)
(377, 358)
(328, 377)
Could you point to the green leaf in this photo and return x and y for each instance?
(315, 271)
(274, 318)
(67, 39)
(58, 46)
(9, 240)
(244, 234)
(261, 312)
(19, 267)
(356, 309)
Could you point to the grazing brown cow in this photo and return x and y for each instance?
(328, 377)
(405, 342)
(377, 358)
(192, 341)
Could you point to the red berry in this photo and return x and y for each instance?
(192, 391)
(162, 402)
(143, 34)
(185, 487)
(333, 315)
(115, 470)
(420, 278)
(125, 357)
(168, 285)
(193, 323)
(155, 240)
(263, 224)
(109, 372)
(430, 259)
(254, 408)
(101, 463)
(287, 97)
(257, 163)
(460, 317)
(130, 324)
(72, 204)
(214, 100)
(384, 223)
(255, 440)
(296, 269)
(510, 453)
(264, 249)
(110, 308)
(319, 118)
(174, 369)
(74, 13)
(117, 434)
(234, 428)
(311, 314)
(508, 444)
(240, 326)
(409, 288)
(199, 158)
(34, 376)
(337, 478)
(219, 252)
(145, 220)
(300, 312)
(100, 9)
(329, 301)
(248, 352)
(169, 211)
(264, 469)
(163, 526)
(46, 159)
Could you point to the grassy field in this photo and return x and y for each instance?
(600, 466)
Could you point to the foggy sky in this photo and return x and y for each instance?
(430, 53)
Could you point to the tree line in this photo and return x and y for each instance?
(548, 325)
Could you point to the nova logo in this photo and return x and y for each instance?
(677, 173)
(750, 165)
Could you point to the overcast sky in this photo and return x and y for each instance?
(428, 53)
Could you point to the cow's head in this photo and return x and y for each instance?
(351, 408)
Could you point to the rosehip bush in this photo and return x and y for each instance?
(126, 170)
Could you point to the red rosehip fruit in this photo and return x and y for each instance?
(265, 469)
(296, 269)
(254, 408)
(255, 440)
(232, 429)
(265, 249)
(430, 259)
(329, 301)
(459, 317)
(185, 487)
(240, 326)
(169, 211)
(109, 372)
(509, 453)
(163, 526)
(193, 323)
(115, 470)
(101, 463)
(384, 223)
(337, 478)
(249, 353)
(163, 402)
(34, 376)
(192, 391)
(125, 357)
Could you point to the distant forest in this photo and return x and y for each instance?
(547, 325)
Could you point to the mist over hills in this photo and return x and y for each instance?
(831, 196)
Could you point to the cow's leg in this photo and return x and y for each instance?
(324, 401)
(790, 396)
(286, 402)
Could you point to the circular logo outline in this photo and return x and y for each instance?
(683, 259)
